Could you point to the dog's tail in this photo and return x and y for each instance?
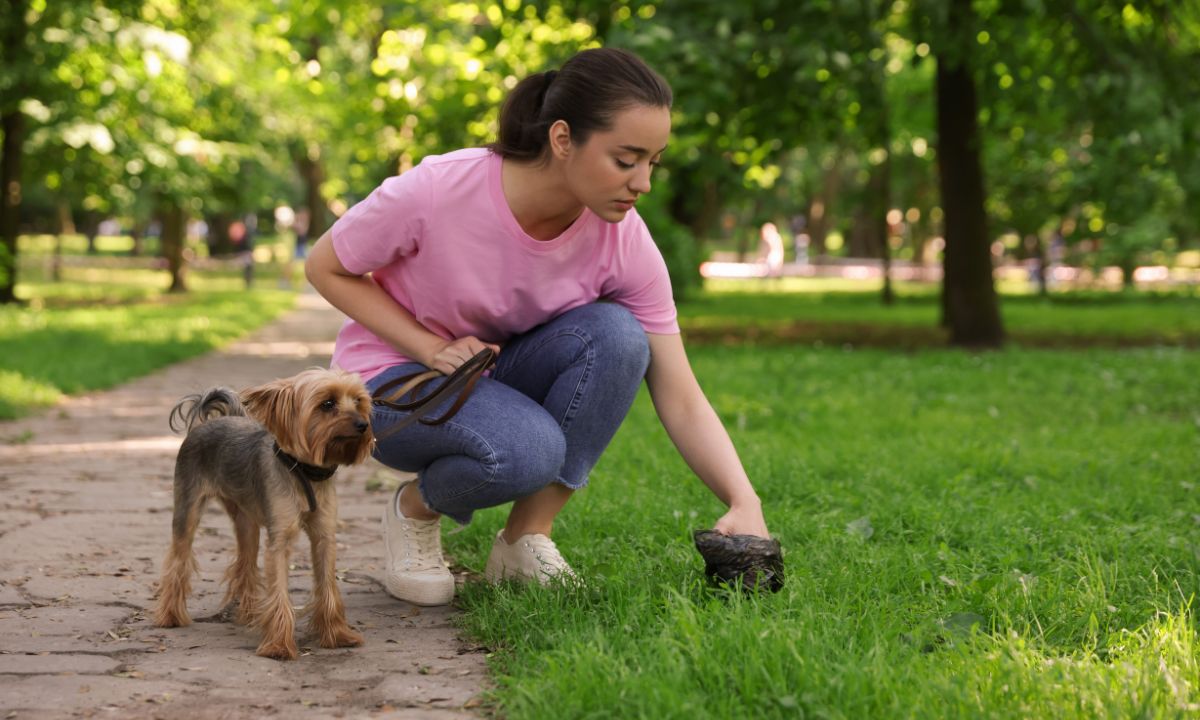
(198, 409)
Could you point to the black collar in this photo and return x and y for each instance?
(306, 474)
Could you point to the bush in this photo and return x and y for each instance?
(676, 243)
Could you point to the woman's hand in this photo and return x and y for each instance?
(449, 355)
(743, 519)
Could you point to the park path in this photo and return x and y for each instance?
(85, 514)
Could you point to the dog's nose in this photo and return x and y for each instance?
(361, 426)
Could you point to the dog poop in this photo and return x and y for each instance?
(746, 561)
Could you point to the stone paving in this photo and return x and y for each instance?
(85, 515)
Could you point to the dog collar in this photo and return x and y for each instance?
(305, 473)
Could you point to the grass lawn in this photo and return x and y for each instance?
(99, 328)
(1011, 534)
(1007, 534)
(837, 312)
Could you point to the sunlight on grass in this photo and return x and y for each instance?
(19, 393)
(1005, 535)
(829, 310)
(68, 343)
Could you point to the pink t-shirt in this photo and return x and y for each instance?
(442, 241)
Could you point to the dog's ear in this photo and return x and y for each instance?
(274, 405)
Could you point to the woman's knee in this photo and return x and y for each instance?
(534, 457)
(614, 332)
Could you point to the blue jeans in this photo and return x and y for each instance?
(547, 411)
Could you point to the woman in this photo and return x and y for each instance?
(530, 247)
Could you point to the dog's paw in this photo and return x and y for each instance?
(278, 650)
(337, 635)
(165, 617)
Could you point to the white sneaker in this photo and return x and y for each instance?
(416, 570)
(531, 558)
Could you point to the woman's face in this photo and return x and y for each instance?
(611, 170)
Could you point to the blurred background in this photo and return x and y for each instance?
(155, 143)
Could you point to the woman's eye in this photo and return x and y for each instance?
(624, 165)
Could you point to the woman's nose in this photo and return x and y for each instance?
(641, 180)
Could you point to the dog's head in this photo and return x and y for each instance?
(322, 417)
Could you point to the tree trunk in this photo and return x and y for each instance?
(66, 223)
(881, 190)
(218, 241)
(859, 243)
(56, 259)
(91, 228)
(12, 124)
(66, 226)
(138, 233)
(1037, 253)
(313, 174)
(819, 208)
(174, 234)
(1128, 264)
(969, 300)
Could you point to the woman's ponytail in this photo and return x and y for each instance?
(522, 132)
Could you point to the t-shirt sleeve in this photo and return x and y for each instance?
(643, 285)
(386, 225)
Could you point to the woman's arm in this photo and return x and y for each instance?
(700, 437)
(370, 306)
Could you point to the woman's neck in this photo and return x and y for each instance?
(539, 198)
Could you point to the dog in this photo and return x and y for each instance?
(267, 454)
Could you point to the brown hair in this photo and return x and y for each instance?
(587, 93)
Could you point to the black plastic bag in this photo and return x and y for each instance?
(746, 561)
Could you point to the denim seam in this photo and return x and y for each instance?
(589, 363)
(488, 462)
(577, 395)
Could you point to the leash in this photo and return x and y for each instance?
(462, 381)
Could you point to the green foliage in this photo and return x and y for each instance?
(677, 245)
(231, 107)
(1001, 535)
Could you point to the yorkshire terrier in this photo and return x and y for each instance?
(268, 455)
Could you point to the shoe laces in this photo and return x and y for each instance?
(547, 554)
(423, 542)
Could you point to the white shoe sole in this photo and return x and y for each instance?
(426, 594)
(421, 590)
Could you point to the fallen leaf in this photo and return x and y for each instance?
(861, 527)
(962, 623)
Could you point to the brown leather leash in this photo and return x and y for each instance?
(462, 381)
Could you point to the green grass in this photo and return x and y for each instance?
(834, 311)
(100, 328)
(1008, 534)
(1013, 534)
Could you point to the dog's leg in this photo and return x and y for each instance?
(327, 613)
(274, 615)
(242, 578)
(180, 562)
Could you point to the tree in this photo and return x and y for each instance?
(35, 37)
(970, 306)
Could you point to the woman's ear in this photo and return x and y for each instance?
(560, 139)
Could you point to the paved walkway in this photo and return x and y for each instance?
(85, 515)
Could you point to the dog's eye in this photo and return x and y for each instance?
(328, 405)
